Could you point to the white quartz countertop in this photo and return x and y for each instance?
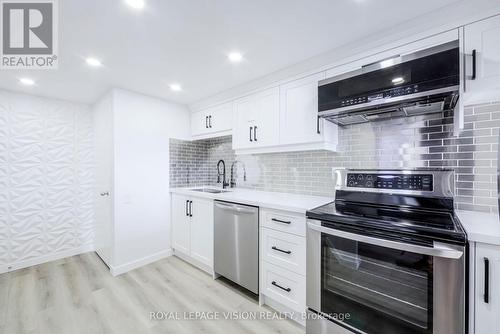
(481, 227)
(272, 200)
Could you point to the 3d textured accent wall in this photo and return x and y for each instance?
(46, 181)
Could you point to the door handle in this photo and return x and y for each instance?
(281, 250)
(187, 208)
(486, 280)
(318, 130)
(279, 286)
(251, 133)
(281, 221)
(190, 208)
(437, 250)
(255, 133)
(105, 193)
(474, 58)
(206, 122)
(210, 121)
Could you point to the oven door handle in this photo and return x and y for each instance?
(439, 249)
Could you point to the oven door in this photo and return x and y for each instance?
(362, 284)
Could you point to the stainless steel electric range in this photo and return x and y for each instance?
(388, 256)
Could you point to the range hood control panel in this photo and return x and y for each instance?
(419, 182)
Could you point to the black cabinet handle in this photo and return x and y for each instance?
(206, 122)
(281, 221)
(251, 133)
(486, 280)
(190, 208)
(318, 130)
(255, 133)
(279, 286)
(281, 250)
(474, 58)
(210, 121)
(187, 208)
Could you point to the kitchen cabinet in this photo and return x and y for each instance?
(482, 61)
(256, 120)
(192, 230)
(282, 259)
(212, 122)
(299, 123)
(181, 226)
(487, 289)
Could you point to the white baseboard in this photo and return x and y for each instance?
(121, 269)
(45, 258)
(209, 270)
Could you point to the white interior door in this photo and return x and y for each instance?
(103, 150)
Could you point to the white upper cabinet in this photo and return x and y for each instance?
(212, 122)
(482, 50)
(256, 120)
(299, 111)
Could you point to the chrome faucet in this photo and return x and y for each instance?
(232, 182)
(223, 174)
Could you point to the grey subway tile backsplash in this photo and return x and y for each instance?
(421, 141)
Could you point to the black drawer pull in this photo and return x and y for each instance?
(206, 122)
(279, 286)
(281, 221)
(251, 133)
(255, 133)
(210, 121)
(474, 59)
(486, 280)
(187, 208)
(281, 250)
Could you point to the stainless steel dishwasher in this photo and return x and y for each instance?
(236, 239)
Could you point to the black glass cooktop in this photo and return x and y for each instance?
(425, 220)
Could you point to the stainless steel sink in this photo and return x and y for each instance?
(211, 190)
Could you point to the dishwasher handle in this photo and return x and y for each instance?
(234, 208)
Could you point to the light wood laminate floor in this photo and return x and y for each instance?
(79, 295)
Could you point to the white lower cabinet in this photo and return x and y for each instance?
(283, 261)
(193, 230)
(487, 289)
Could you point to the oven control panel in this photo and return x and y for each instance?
(419, 182)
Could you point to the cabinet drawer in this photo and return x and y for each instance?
(283, 286)
(283, 249)
(283, 221)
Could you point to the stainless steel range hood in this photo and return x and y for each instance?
(402, 106)
(420, 83)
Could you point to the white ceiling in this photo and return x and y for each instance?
(187, 42)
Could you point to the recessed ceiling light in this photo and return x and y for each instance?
(398, 80)
(27, 81)
(136, 4)
(235, 57)
(93, 62)
(175, 87)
